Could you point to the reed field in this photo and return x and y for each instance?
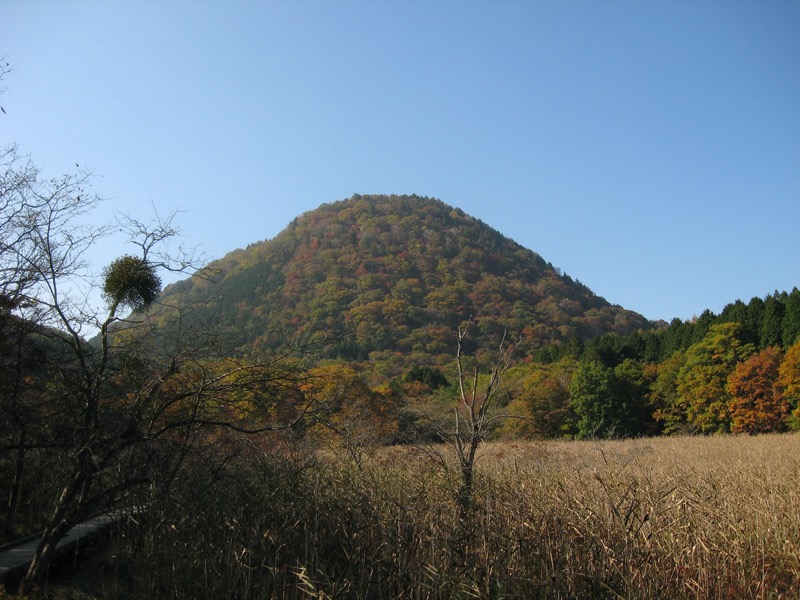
(678, 517)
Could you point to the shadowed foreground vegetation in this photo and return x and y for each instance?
(681, 517)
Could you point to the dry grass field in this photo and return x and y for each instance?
(704, 517)
(682, 517)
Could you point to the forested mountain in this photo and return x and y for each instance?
(383, 282)
(393, 275)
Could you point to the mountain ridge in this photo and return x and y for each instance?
(394, 274)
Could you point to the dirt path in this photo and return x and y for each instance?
(15, 557)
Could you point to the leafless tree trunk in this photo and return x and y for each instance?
(474, 416)
(122, 410)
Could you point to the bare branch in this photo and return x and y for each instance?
(153, 238)
(473, 421)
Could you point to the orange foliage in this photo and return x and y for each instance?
(757, 404)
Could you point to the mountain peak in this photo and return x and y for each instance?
(395, 274)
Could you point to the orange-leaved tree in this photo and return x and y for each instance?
(757, 403)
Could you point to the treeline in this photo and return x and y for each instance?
(738, 372)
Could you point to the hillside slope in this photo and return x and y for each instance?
(393, 274)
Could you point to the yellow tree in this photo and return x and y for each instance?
(347, 413)
(789, 383)
(540, 399)
(702, 381)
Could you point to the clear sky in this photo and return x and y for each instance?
(649, 149)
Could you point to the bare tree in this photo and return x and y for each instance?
(132, 403)
(123, 409)
(474, 414)
(5, 69)
(41, 248)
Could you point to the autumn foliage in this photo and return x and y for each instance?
(757, 403)
(346, 412)
(388, 278)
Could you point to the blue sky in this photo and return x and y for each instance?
(650, 150)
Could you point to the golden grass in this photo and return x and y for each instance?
(686, 517)
(693, 517)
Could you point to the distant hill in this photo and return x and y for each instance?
(393, 275)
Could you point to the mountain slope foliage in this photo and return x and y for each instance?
(396, 275)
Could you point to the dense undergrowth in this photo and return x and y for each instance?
(710, 517)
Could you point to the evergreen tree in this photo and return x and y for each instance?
(631, 392)
(592, 401)
(737, 312)
(791, 318)
(702, 324)
(772, 323)
(755, 317)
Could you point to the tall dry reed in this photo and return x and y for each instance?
(658, 518)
